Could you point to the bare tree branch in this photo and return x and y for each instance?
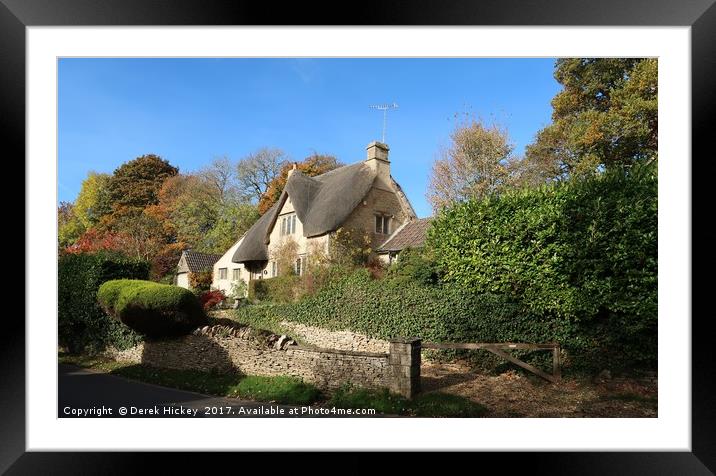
(257, 170)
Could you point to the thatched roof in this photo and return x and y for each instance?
(411, 235)
(322, 203)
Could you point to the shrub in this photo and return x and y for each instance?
(280, 289)
(414, 265)
(239, 289)
(153, 309)
(350, 247)
(581, 256)
(82, 325)
(210, 299)
(200, 281)
(285, 256)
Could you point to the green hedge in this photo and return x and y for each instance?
(278, 289)
(152, 309)
(394, 308)
(387, 309)
(82, 325)
(581, 255)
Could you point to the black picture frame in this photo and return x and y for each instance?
(700, 15)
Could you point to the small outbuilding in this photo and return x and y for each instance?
(192, 262)
(410, 235)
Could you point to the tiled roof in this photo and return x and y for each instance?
(410, 235)
(198, 262)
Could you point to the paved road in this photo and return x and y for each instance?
(84, 393)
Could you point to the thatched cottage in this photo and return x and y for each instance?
(362, 196)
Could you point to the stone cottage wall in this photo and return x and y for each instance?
(377, 201)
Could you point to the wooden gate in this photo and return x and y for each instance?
(500, 349)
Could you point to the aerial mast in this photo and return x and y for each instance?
(384, 108)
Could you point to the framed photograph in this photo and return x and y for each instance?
(467, 226)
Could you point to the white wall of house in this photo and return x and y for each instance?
(304, 246)
(183, 280)
(224, 279)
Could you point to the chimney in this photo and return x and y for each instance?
(290, 171)
(377, 159)
(378, 150)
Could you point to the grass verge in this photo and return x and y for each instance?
(283, 389)
(423, 405)
(280, 389)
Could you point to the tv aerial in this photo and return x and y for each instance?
(384, 108)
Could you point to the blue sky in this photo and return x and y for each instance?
(190, 111)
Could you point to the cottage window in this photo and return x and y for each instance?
(235, 274)
(288, 225)
(298, 267)
(382, 224)
(222, 273)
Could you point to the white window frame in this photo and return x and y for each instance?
(223, 273)
(288, 224)
(384, 228)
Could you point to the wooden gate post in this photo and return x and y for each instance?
(556, 363)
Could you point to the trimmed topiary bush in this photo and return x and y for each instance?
(82, 325)
(152, 309)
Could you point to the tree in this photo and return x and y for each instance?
(473, 165)
(93, 202)
(191, 206)
(221, 176)
(605, 116)
(193, 212)
(257, 170)
(94, 240)
(69, 227)
(136, 184)
(142, 235)
(313, 165)
(233, 220)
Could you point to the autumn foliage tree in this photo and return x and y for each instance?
(69, 227)
(136, 184)
(146, 209)
(313, 165)
(605, 116)
(474, 164)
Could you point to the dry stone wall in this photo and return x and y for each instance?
(340, 340)
(236, 351)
